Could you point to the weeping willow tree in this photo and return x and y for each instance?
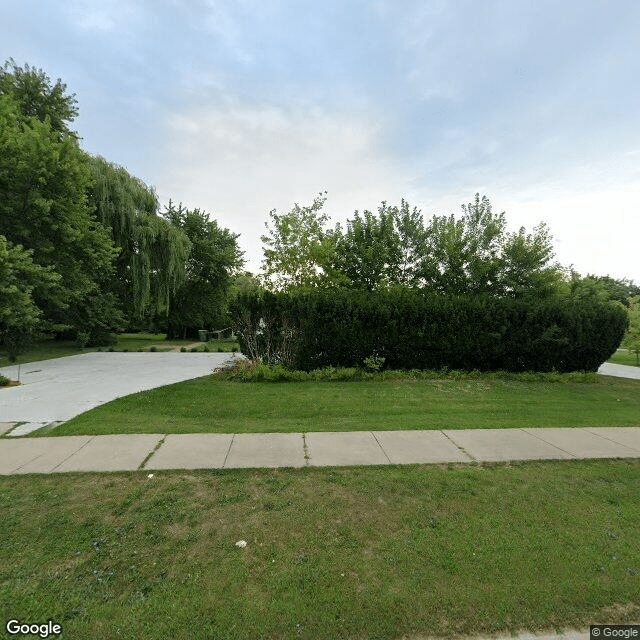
(153, 253)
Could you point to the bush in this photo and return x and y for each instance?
(154, 348)
(183, 349)
(255, 371)
(408, 329)
(102, 338)
(4, 381)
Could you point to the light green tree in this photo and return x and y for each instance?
(631, 340)
(153, 252)
(298, 248)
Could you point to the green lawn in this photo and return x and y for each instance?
(624, 357)
(209, 405)
(417, 551)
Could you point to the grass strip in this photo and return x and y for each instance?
(388, 552)
(206, 405)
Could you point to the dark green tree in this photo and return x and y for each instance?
(19, 314)
(44, 178)
(201, 301)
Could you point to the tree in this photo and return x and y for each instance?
(466, 251)
(201, 300)
(43, 181)
(19, 314)
(153, 252)
(631, 340)
(367, 252)
(37, 97)
(298, 248)
(620, 290)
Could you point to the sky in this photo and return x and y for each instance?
(242, 107)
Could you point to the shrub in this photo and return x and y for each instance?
(102, 338)
(195, 349)
(110, 349)
(255, 371)
(183, 349)
(4, 381)
(154, 348)
(409, 329)
(82, 339)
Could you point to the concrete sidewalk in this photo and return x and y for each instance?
(128, 452)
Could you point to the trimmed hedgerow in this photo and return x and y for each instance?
(407, 329)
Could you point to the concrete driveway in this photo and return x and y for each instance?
(59, 389)
(619, 371)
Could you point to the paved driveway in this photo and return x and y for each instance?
(59, 389)
(619, 370)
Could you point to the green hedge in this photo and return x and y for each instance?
(413, 330)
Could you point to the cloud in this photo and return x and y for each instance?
(239, 161)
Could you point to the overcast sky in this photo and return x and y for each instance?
(243, 106)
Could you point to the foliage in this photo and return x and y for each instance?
(463, 255)
(632, 338)
(4, 381)
(36, 96)
(152, 252)
(384, 249)
(201, 299)
(603, 288)
(19, 276)
(411, 329)
(244, 370)
(43, 182)
(297, 249)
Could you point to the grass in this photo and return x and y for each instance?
(331, 553)
(47, 349)
(208, 405)
(624, 357)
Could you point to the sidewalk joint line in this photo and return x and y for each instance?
(459, 447)
(610, 439)
(91, 439)
(305, 450)
(378, 441)
(149, 456)
(233, 437)
(554, 445)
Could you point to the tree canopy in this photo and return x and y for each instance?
(470, 254)
(93, 232)
(200, 301)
